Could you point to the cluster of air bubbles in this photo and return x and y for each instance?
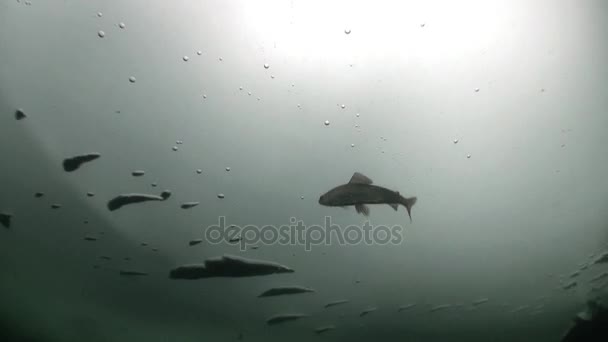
(132, 79)
(266, 65)
(179, 142)
(423, 25)
(185, 58)
(101, 34)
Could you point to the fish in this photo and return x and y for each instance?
(336, 302)
(20, 114)
(405, 307)
(228, 266)
(367, 311)
(324, 329)
(277, 319)
(188, 205)
(73, 163)
(125, 199)
(5, 220)
(359, 191)
(285, 290)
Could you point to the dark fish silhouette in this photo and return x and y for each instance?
(5, 220)
(20, 114)
(228, 266)
(323, 329)
(359, 191)
(73, 163)
(285, 318)
(285, 290)
(125, 199)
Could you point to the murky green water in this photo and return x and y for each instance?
(491, 113)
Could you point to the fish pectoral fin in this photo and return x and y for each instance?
(394, 206)
(359, 178)
(362, 209)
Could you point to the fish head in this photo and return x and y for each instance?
(331, 198)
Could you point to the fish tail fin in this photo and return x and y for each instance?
(408, 203)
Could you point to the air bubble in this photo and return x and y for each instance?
(357, 114)
(99, 14)
(352, 145)
(221, 59)
(347, 31)
(220, 196)
(199, 52)
(101, 34)
(326, 122)
(266, 65)
(227, 168)
(132, 79)
(204, 96)
(240, 88)
(175, 148)
(199, 171)
(468, 156)
(185, 58)
(343, 106)
(122, 25)
(477, 90)
(455, 141)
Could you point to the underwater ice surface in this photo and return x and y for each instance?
(493, 113)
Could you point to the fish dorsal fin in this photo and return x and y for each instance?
(359, 178)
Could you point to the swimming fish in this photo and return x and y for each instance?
(359, 191)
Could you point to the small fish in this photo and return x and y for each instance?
(285, 290)
(73, 163)
(359, 191)
(336, 302)
(5, 220)
(321, 330)
(367, 311)
(278, 319)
